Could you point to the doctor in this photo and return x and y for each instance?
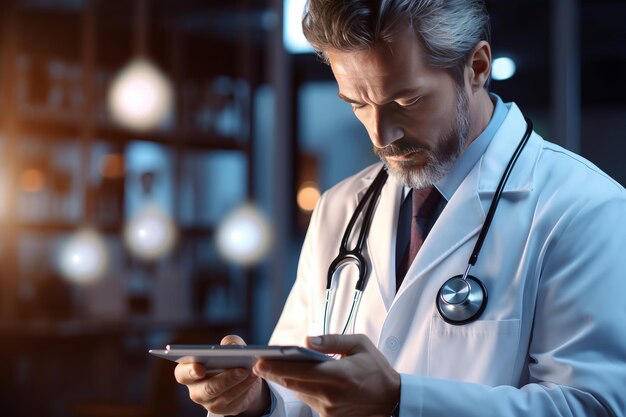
(550, 340)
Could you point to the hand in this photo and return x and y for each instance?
(361, 384)
(231, 392)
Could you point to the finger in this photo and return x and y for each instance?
(232, 339)
(312, 401)
(188, 373)
(305, 387)
(343, 344)
(239, 394)
(302, 371)
(203, 392)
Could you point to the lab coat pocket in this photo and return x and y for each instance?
(484, 351)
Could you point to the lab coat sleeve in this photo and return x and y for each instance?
(293, 325)
(284, 403)
(577, 354)
(291, 328)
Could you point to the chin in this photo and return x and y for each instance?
(414, 175)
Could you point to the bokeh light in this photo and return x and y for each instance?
(151, 234)
(308, 195)
(503, 68)
(140, 97)
(32, 180)
(83, 259)
(293, 37)
(244, 237)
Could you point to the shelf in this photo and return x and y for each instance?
(53, 78)
(98, 327)
(55, 126)
(56, 227)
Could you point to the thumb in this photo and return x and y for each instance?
(342, 344)
(232, 339)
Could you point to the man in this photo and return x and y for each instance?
(550, 341)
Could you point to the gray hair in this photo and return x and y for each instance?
(448, 29)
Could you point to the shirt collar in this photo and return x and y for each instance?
(451, 182)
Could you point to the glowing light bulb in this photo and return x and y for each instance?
(150, 234)
(308, 196)
(83, 258)
(244, 237)
(140, 97)
(503, 68)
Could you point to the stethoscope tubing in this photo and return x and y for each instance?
(355, 255)
(496, 197)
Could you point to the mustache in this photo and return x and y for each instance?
(399, 148)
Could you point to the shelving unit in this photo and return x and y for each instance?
(69, 109)
(55, 68)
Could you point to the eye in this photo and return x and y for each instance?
(411, 102)
(357, 106)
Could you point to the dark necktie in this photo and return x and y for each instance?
(424, 202)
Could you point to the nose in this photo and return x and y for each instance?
(383, 130)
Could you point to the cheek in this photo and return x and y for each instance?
(429, 121)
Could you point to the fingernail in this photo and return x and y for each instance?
(316, 340)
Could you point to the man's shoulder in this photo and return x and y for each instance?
(575, 173)
(568, 186)
(351, 185)
(338, 203)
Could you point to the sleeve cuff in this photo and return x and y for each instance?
(272, 407)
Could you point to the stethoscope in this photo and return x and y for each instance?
(461, 299)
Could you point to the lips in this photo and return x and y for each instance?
(404, 157)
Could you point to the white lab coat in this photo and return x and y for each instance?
(552, 340)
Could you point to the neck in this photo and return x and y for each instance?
(481, 111)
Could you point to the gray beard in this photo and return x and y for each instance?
(443, 157)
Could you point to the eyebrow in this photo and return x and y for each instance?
(347, 99)
(406, 92)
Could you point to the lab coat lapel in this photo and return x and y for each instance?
(381, 241)
(460, 220)
(365, 182)
(499, 152)
(464, 215)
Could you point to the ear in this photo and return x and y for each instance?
(478, 66)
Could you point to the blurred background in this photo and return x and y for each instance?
(160, 160)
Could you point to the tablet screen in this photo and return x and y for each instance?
(234, 356)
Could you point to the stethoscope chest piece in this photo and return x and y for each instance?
(462, 298)
(461, 301)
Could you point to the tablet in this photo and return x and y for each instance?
(218, 357)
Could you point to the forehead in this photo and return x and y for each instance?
(387, 67)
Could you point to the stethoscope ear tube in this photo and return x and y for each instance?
(348, 257)
(355, 255)
(462, 298)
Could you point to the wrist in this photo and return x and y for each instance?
(396, 390)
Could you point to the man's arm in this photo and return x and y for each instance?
(577, 354)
